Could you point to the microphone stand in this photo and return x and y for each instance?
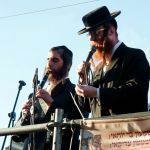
(35, 84)
(12, 114)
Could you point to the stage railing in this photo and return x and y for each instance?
(54, 126)
(127, 131)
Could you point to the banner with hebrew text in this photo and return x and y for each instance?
(123, 132)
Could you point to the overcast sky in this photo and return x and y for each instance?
(28, 29)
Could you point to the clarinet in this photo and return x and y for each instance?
(41, 85)
(45, 77)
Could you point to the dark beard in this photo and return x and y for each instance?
(108, 46)
(59, 74)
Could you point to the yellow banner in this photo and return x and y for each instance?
(122, 132)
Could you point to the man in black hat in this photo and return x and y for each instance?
(120, 74)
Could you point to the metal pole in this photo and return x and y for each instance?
(12, 115)
(57, 134)
(35, 128)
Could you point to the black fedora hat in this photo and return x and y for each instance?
(97, 17)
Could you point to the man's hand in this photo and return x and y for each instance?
(82, 70)
(45, 96)
(86, 90)
(25, 109)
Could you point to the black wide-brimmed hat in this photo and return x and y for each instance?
(97, 17)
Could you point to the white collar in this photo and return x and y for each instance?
(115, 47)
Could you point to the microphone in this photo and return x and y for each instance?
(35, 79)
(93, 49)
(22, 82)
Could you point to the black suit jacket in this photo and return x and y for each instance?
(62, 100)
(124, 87)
